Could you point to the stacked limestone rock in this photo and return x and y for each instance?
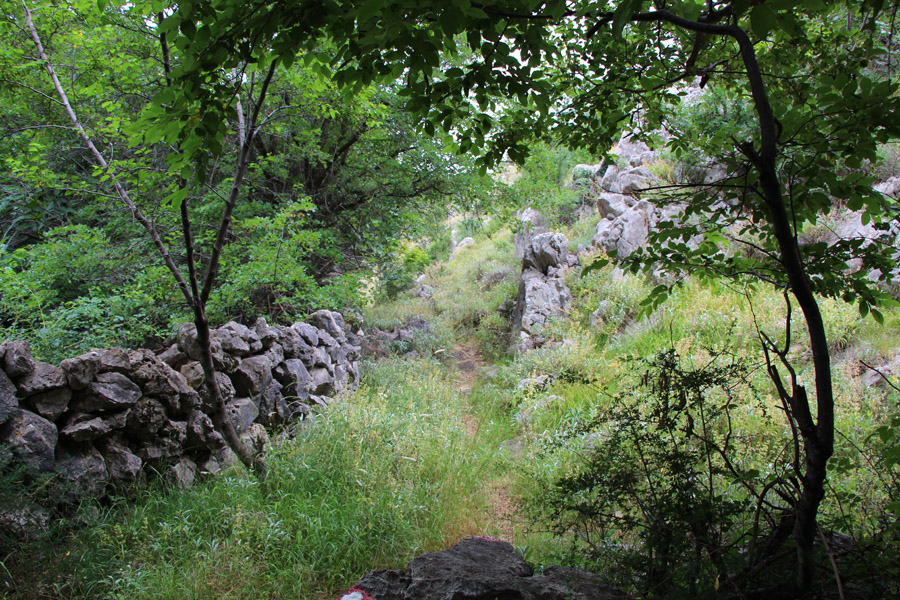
(102, 418)
(542, 289)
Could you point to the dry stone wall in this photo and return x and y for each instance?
(109, 417)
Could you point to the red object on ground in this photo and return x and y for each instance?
(356, 593)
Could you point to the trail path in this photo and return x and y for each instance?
(501, 519)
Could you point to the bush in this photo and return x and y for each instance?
(653, 491)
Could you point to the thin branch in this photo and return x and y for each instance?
(101, 161)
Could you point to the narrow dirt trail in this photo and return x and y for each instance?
(501, 518)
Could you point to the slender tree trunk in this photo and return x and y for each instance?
(818, 438)
(195, 296)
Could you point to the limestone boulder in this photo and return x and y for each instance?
(547, 251)
(81, 370)
(182, 474)
(32, 439)
(539, 299)
(43, 377)
(113, 360)
(480, 568)
(201, 433)
(145, 419)
(294, 376)
(308, 332)
(82, 427)
(267, 335)
(531, 223)
(123, 466)
(330, 321)
(15, 358)
(623, 234)
(242, 412)
(8, 401)
(82, 472)
(110, 391)
(252, 376)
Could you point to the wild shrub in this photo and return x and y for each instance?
(658, 495)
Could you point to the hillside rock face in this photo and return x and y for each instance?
(542, 289)
(480, 569)
(106, 418)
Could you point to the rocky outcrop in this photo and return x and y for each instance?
(108, 417)
(542, 290)
(480, 569)
(531, 224)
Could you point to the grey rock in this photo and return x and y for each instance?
(234, 339)
(426, 292)
(123, 466)
(546, 251)
(252, 376)
(328, 341)
(111, 391)
(624, 234)
(82, 472)
(8, 401)
(330, 321)
(609, 182)
(610, 204)
(82, 427)
(267, 335)
(81, 370)
(32, 439)
(15, 358)
(159, 380)
(192, 371)
(201, 433)
(321, 358)
(113, 360)
(220, 459)
(322, 381)
(275, 353)
(531, 224)
(22, 520)
(42, 378)
(255, 438)
(182, 473)
(464, 243)
(145, 419)
(293, 375)
(174, 357)
(539, 298)
(189, 344)
(273, 408)
(226, 390)
(242, 412)
(483, 569)
(309, 333)
(167, 445)
(341, 378)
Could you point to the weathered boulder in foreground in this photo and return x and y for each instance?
(481, 569)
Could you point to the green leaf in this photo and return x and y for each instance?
(622, 15)
(762, 21)
(596, 265)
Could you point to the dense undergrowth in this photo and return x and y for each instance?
(654, 453)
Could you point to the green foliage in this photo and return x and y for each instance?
(399, 275)
(654, 495)
(76, 290)
(544, 183)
